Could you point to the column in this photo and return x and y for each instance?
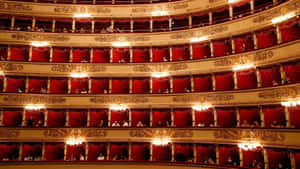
(48, 85)
(150, 81)
(192, 83)
(171, 53)
(51, 54)
(151, 117)
(235, 80)
(71, 55)
(65, 152)
(109, 85)
(190, 22)
(238, 117)
(173, 152)
(193, 118)
(86, 150)
(232, 45)
(130, 117)
(130, 54)
(93, 21)
(67, 117)
(151, 54)
(241, 157)
(112, 21)
(91, 55)
(293, 161)
(46, 118)
(278, 34)
(1, 117)
(88, 118)
(171, 84)
(195, 152)
(258, 77)
(53, 25)
(129, 150)
(12, 24)
(211, 48)
(230, 12)
(255, 41)
(170, 24)
(287, 117)
(172, 117)
(151, 152)
(131, 22)
(215, 117)
(109, 117)
(4, 83)
(8, 52)
(210, 17)
(43, 150)
(213, 77)
(217, 154)
(108, 151)
(111, 55)
(90, 85)
(21, 151)
(69, 85)
(73, 25)
(282, 74)
(30, 54)
(191, 51)
(151, 22)
(26, 84)
(262, 116)
(94, 1)
(33, 23)
(252, 6)
(266, 159)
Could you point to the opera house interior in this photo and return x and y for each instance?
(134, 84)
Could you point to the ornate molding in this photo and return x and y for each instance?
(65, 132)
(15, 6)
(9, 133)
(30, 99)
(77, 68)
(119, 99)
(11, 67)
(204, 98)
(161, 132)
(30, 36)
(283, 93)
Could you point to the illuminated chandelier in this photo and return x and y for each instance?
(250, 145)
(75, 141)
(161, 141)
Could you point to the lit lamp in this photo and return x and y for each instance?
(243, 67)
(159, 13)
(283, 18)
(291, 103)
(82, 15)
(201, 107)
(40, 43)
(120, 44)
(34, 106)
(161, 141)
(160, 74)
(250, 146)
(198, 39)
(119, 107)
(79, 75)
(74, 141)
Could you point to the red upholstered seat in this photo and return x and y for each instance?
(205, 116)
(206, 151)
(202, 83)
(9, 151)
(81, 55)
(19, 53)
(15, 84)
(224, 81)
(12, 117)
(220, 15)
(222, 47)
(161, 153)
(37, 85)
(244, 43)
(201, 50)
(160, 24)
(99, 86)
(54, 151)
(290, 30)
(226, 117)
(181, 84)
(183, 117)
(121, 55)
(274, 114)
(75, 151)
(58, 85)
(119, 117)
(95, 149)
(98, 118)
(226, 151)
(297, 158)
(79, 85)
(140, 85)
(200, 19)
(247, 79)
(56, 118)
(40, 54)
(77, 118)
(180, 53)
(292, 72)
(140, 151)
(141, 25)
(270, 76)
(249, 156)
(32, 150)
(61, 55)
(266, 38)
(180, 22)
(101, 55)
(161, 85)
(120, 86)
(185, 149)
(160, 54)
(140, 55)
(162, 116)
(118, 151)
(276, 156)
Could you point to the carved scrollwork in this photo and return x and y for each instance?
(39, 37)
(15, 6)
(119, 99)
(212, 97)
(77, 68)
(279, 93)
(11, 67)
(75, 132)
(25, 99)
(158, 133)
(9, 133)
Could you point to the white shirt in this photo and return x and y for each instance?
(115, 125)
(100, 158)
(125, 124)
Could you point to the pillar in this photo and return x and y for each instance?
(287, 117)
(258, 77)
(262, 116)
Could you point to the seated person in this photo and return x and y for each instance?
(166, 91)
(201, 124)
(165, 59)
(29, 28)
(168, 124)
(122, 157)
(254, 164)
(230, 161)
(84, 60)
(275, 124)
(187, 90)
(179, 156)
(274, 83)
(37, 158)
(101, 124)
(43, 90)
(125, 123)
(65, 30)
(30, 122)
(121, 60)
(19, 90)
(100, 157)
(159, 124)
(116, 124)
(281, 166)
(110, 29)
(84, 91)
(116, 157)
(245, 124)
(255, 124)
(211, 125)
(28, 158)
(81, 157)
(39, 124)
(287, 80)
(139, 124)
(105, 91)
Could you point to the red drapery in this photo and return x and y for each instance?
(3, 52)
(99, 86)
(292, 72)
(220, 15)
(290, 30)
(139, 115)
(101, 55)
(205, 116)
(266, 38)
(222, 48)
(79, 85)
(183, 117)
(247, 79)
(161, 153)
(163, 116)
(206, 151)
(295, 116)
(140, 151)
(56, 118)
(180, 53)
(201, 50)
(202, 83)
(37, 85)
(274, 115)
(243, 43)
(31, 150)
(40, 54)
(297, 159)
(140, 55)
(9, 151)
(15, 84)
(118, 150)
(54, 151)
(61, 55)
(250, 156)
(226, 151)
(276, 156)
(77, 118)
(98, 118)
(120, 86)
(119, 116)
(58, 85)
(181, 84)
(81, 55)
(186, 149)
(140, 85)
(249, 115)
(121, 55)
(270, 76)
(12, 117)
(19, 53)
(224, 81)
(95, 149)
(160, 85)
(36, 115)
(226, 117)
(160, 54)
(75, 151)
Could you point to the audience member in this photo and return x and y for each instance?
(201, 124)
(125, 123)
(179, 156)
(100, 157)
(115, 124)
(139, 124)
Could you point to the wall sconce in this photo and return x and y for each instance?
(291, 103)
(82, 15)
(250, 145)
(243, 67)
(75, 141)
(283, 18)
(119, 107)
(201, 107)
(120, 44)
(198, 39)
(160, 74)
(159, 13)
(78, 75)
(34, 106)
(40, 43)
(161, 141)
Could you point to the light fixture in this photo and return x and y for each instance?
(233, 1)
(159, 13)
(160, 74)
(119, 107)
(201, 107)
(34, 106)
(79, 75)
(243, 67)
(198, 39)
(283, 18)
(250, 145)
(1, 73)
(120, 44)
(161, 141)
(40, 43)
(82, 15)
(291, 103)
(75, 140)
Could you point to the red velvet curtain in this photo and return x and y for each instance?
(180, 53)
(224, 81)
(276, 156)
(226, 117)
(140, 55)
(97, 115)
(121, 55)
(220, 15)
(292, 72)
(56, 118)
(119, 116)
(290, 30)
(244, 43)
(206, 151)
(180, 22)
(12, 117)
(140, 85)
(222, 48)
(160, 54)
(202, 83)
(270, 76)
(186, 149)
(201, 50)
(181, 84)
(297, 159)
(140, 151)
(226, 151)
(120, 86)
(77, 118)
(117, 150)
(95, 149)
(205, 116)
(249, 115)
(61, 55)
(54, 151)
(141, 25)
(40, 54)
(32, 149)
(161, 153)
(3, 51)
(183, 117)
(247, 79)
(250, 156)
(58, 85)
(140, 115)
(79, 85)
(37, 85)
(274, 114)
(15, 84)
(200, 19)
(81, 55)
(99, 86)
(101, 55)
(19, 53)
(295, 116)
(160, 85)
(266, 38)
(36, 115)
(161, 115)
(9, 151)
(75, 151)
